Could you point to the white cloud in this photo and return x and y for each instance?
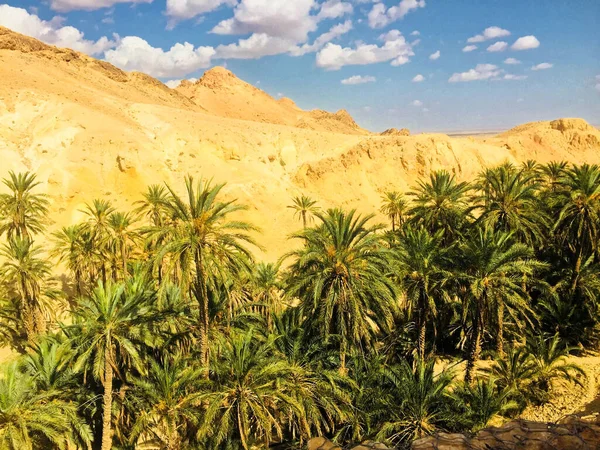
(469, 48)
(187, 9)
(335, 32)
(417, 103)
(175, 83)
(415, 33)
(542, 66)
(367, 108)
(284, 19)
(499, 46)
(51, 32)
(394, 49)
(488, 34)
(511, 61)
(381, 16)
(134, 53)
(332, 9)
(434, 56)
(510, 76)
(359, 79)
(480, 72)
(526, 43)
(88, 5)
(256, 46)
(418, 78)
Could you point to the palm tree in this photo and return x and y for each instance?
(482, 402)
(166, 403)
(341, 278)
(75, 246)
(24, 212)
(548, 357)
(32, 419)
(395, 208)
(267, 291)
(492, 271)
(305, 208)
(417, 408)
(203, 240)
(103, 336)
(98, 225)
(27, 272)
(421, 259)
(154, 206)
(123, 238)
(508, 201)
(578, 224)
(553, 174)
(248, 400)
(512, 372)
(441, 204)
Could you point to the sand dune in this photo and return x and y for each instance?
(91, 130)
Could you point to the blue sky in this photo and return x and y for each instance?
(377, 59)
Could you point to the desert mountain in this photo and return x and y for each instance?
(221, 93)
(91, 130)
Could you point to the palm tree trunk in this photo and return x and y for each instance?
(475, 350)
(107, 402)
(124, 262)
(27, 313)
(304, 219)
(500, 336)
(422, 326)
(202, 298)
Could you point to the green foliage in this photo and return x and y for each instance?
(173, 337)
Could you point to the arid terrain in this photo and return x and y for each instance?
(91, 130)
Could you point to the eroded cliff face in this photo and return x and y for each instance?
(91, 131)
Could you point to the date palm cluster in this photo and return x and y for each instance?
(157, 328)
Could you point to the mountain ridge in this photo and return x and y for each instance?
(91, 130)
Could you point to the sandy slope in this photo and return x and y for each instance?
(91, 130)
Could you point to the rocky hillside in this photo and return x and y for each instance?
(91, 130)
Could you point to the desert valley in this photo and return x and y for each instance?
(141, 312)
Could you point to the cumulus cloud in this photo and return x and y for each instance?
(134, 53)
(332, 9)
(186, 9)
(480, 72)
(542, 66)
(526, 43)
(88, 5)
(381, 16)
(175, 83)
(51, 32)
(488, 34)
(256, 46)
(499, 46)
(417, 103)
(359, 79)
(335, 32)
(418, 78)
(415, 33)
(435, 56)
(284, 19)
(469, 48)
(510, 76)
(394, 49)
(511, 61)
